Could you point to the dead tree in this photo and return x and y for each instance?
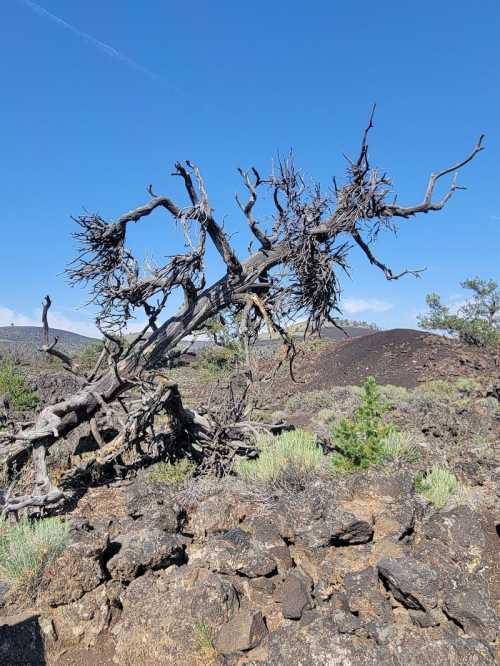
(293, 270)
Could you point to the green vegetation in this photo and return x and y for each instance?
(89, 356)
(172, 473)
(468, 386)
(12, 381)
(204, 638)
(476, 322)
(436, 390)
(400, 446)
(437, 485)
(27, 547)
(286, 461)
(359, 441)
(218, 361)
(338, 398)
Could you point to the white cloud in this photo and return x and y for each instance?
(356, 305)
(56, 320)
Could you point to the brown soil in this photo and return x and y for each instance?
(400, 356)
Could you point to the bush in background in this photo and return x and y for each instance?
(89, 356)
(476, 322)
(217, 361)
(12, 381)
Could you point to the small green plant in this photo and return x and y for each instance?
(359, 441)
(400, 446)
(204, 638)
(12, 381)
(172, 473)
(468, 386)
(287, 461)
(437, 485)
(26, 547)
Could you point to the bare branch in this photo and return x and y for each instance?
(248, 207)
(427, 204)
(385, 269)
(49, 348)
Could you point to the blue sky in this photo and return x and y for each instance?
(101, 97)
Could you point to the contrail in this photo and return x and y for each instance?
(105, 48)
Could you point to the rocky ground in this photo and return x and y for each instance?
(352, 570)
(360, 571)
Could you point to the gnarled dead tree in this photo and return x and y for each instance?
(293, 271)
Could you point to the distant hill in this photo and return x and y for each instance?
(23, 342)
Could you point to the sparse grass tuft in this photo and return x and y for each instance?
(438, 485)
(172, 473)
(287, 461)
(27, 547)
(400, 446)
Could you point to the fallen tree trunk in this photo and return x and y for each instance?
(293, 272)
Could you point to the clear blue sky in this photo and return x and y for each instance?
(101, 102)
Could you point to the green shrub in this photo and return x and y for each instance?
(468, 386)
(12, 381)
(396, 395)
(437, 485)
(359, 441)
(89, 356)
(172, 473)
(436, 390)
(286, 461)
(27, 547)
(217, 361)
(400, 446)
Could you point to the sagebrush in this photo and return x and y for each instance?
(26, 547)
(288, 460)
